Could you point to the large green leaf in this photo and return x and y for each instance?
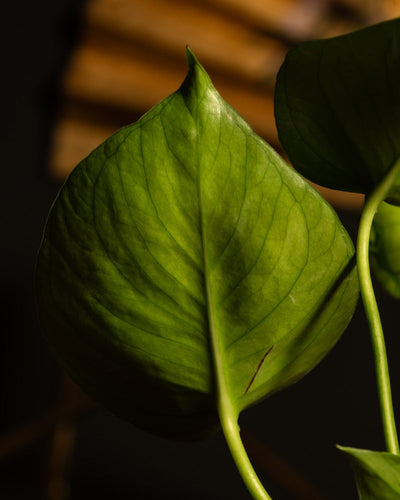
(337, 107)
(183, 260)
(385, 247)
(377, 474)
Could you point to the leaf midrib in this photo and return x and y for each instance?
(222, 394)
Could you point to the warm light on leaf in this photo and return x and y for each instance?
(182, 242)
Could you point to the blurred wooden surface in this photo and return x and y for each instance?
(132, 54)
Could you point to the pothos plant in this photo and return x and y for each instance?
(187, 272)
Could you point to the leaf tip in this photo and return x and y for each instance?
(196, 81)
(195, 68)
(190, 57)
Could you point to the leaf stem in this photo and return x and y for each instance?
(227, 412)
(230, 427)
(371, 308)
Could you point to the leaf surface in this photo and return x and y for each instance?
(182, 243)
(337, 107)
(385, 247)
(377, 473)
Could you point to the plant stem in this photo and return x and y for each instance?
(371, 308)
(231, 431)
(228, 414)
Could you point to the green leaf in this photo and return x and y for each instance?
(377, 473)
(337, 106)
(184, 262)
(385, 247)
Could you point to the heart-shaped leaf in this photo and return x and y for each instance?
(377, 473)
(385, 247)
(184, 262)
(337, 107)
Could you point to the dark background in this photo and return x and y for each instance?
(336, 403)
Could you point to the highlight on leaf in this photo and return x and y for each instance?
(184, 273)
(184, 243)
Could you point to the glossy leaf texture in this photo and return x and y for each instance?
(337, 107)
(377, 474)
(181, 242)
(385, 247)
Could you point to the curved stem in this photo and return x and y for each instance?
(371, 308)
(228, 414)
(231, 431)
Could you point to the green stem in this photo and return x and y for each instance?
(371, 308)
(228, 414)
(231, 431)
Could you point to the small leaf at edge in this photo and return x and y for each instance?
(337, 107)
(377, 473)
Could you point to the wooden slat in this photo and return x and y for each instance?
(341, 200)
(372, 11)
(335, 27)
(133, 55)
(107, 76)
(103, 75)
(292, 19)
(390, 8)
(220, 41)
(74, 139)
(112, 74)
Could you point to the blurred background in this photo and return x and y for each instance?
(74, 71)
